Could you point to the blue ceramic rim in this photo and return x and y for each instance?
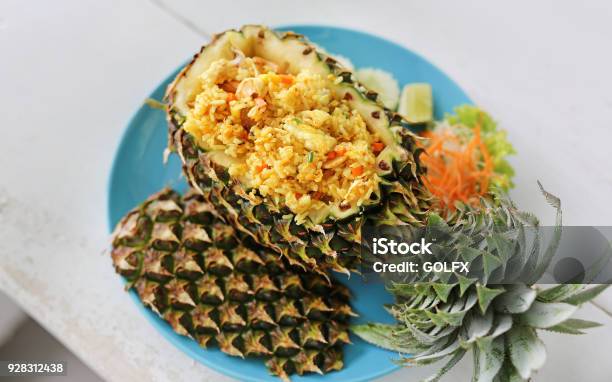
(150, 316)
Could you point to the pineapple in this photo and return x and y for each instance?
(495, 316)
(317, 228)
(188, 267)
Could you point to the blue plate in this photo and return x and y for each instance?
(138, 172)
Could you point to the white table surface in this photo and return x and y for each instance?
(72, 73)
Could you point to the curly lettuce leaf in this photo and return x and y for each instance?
(495, 139)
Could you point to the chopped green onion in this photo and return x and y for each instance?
(310, 157)
(297, 120)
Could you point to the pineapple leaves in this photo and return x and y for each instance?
(490, 263)
(443, 290)
(486, 296)
(488, 359)
(444, 369)
(441, 318)
(508, 373)
(544, 315)
(503, 323)
(586, 295)
(478, 326)
(469, 254)
(496, 310)
(425, 338)
(573, 326)
(464, 284)
(555, 202)
(559, 292)
(381, 335)
(504, 247)
(527, 351)
(517, 299)
(440, 350)
(408, 290)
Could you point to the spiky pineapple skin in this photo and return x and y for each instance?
(188, 267)
(333, 244)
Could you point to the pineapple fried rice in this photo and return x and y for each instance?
(286, 136)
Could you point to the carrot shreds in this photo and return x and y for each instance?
(456, 170)
(357, 171)
(286, 79)
(377, 147)
(230, 86)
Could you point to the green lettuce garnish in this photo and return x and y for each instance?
(495, 139)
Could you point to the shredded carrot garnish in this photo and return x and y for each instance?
(331, 155)
(377, 147)
(357, 171)
(340, 151)
(456, 171)
(230, 97)
(261, 167)
(286, 79)
(230, 86)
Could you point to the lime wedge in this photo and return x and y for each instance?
(416, 103)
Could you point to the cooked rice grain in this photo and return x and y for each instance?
(287, 135)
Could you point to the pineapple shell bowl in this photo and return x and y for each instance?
(138, 172)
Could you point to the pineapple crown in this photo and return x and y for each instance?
(495, 315)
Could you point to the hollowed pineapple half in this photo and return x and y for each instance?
(290, 148)
(188, 267)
